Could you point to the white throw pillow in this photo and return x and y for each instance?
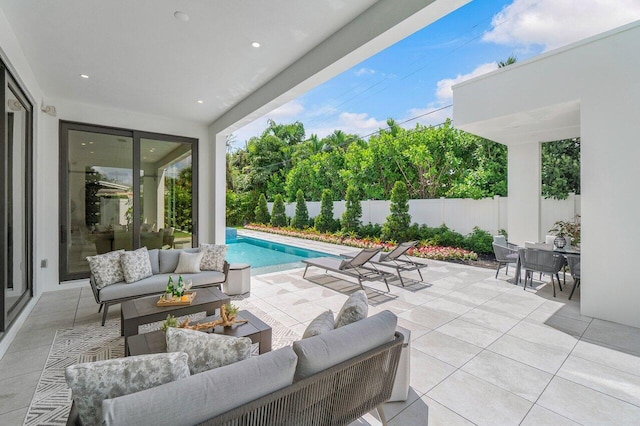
(354, 309)
(189, 263)
(214, 255)
(106, 268)
(320, 324)
(207, 350)
(136, 265)
(93, 382)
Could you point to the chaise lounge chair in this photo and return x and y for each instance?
(397, 259)
(353, 267)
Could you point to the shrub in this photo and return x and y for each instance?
(479, 241)
(446, 237)
(324, 221)
(413, 232)
(262, 210)
(371, 230)
(301, 218)
(397, 224)
(278, 215)
(353, 210)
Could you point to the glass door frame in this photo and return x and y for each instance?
(136, 135)
(8, 82)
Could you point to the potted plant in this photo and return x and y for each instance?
(564, 230)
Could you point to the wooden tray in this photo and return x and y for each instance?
(190, 296)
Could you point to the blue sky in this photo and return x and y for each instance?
(414, 76)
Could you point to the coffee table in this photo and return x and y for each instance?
(255, 329)
(134, 313)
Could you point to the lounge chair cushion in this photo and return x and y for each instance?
(354, 309)
(207, 350)
(320, 352)
(321, 324)
(106, 268)
(93, 382)
(218, 390)
(136, 265)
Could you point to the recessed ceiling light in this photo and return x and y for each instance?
(200, 101)
(90, 143)
(83, 144)
(84, 76)
(255, 44)
(181, 16)
(90, 152)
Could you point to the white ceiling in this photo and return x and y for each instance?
(140, 58)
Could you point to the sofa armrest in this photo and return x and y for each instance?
(94, 288)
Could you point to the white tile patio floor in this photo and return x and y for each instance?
(483, 351)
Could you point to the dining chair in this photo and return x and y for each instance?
(543, 261)
(504, 256)
(574, 267)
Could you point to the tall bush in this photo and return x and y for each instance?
(353, 210)
(398, 222)
(301, 218)
(262, 210)
(278, 215)
(324, 221)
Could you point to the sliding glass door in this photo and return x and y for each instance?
(123, 189)
(15, 198)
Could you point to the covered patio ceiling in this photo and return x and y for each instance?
(139, 57)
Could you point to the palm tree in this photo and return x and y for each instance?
(510, 60)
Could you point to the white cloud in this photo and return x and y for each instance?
(359, 123)
(432, 115)
(364, 71)
(555, 23)
(443, 87)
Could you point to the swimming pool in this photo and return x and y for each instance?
(266, 256)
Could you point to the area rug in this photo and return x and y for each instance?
(52, 399)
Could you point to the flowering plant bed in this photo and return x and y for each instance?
(424, 251)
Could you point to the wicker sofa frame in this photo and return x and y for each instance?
(106, 304)
(338, 395)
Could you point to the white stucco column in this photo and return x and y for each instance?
(217, 212)
(523, 222)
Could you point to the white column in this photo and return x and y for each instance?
(523, 221)
(217, 213)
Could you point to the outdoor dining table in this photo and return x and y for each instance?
(563, 251)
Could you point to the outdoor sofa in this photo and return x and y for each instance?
(329, 379)
(163, 265)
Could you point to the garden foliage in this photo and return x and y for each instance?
(324, 221)
(301, 218)
(278, 215)
(262, 210)
(353, 211)
(397, 224)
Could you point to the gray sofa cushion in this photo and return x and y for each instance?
(93, 382)
(169, 259)
(155, 284)
(326, 350)
(207, 350)
(154, 258)
(204, 395)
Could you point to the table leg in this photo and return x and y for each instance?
(265, 342)
(130, 329)
(121, 322)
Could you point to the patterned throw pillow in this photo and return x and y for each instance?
(189, 263)
(321, 324)
(207, 350)
(93, 382)
(106, 268)
(354, 309)
(136, 265)
(213, 259)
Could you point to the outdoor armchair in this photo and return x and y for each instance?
(543, 261)
(397, 259)
(353, 267)
(504, 256)
(574, 267)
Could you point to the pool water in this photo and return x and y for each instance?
(266, 256)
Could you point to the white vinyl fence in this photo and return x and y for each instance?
(459, 214)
